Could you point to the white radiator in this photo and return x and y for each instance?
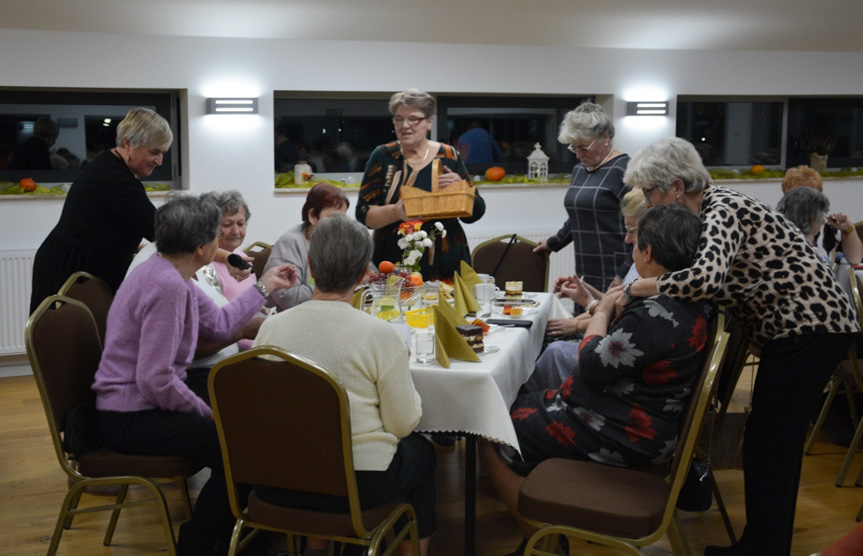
(562, 263)
(16, 271)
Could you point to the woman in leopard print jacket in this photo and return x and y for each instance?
(759, 266)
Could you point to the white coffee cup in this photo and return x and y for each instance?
(487, 278)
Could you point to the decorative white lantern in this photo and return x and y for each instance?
(537, 164)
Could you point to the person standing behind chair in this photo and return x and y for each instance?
(595, 225)
(35, 152)
(754, 262)
(145, 404)
(379, 206)
(370, 359)
(293, 247)
(107, 211)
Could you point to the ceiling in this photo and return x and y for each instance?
(771, 25)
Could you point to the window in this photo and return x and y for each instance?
(87, 123)
(732, 133)
(835, 123)
(337, 132)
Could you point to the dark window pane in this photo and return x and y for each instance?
(737, 133)
(832, 125)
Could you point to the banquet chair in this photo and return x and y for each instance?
(614, 506)
(260, 253)
(284, 422)
(64, 350)
(93, 292)
(511, 257)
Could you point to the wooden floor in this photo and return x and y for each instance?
(32, 487)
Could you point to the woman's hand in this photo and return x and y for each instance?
(542, 248)
(279, 277)
(616, 282)
(567, 327)
(611, 303)
(840, 221)
(240, 274)
(575, 290)
(447, 178)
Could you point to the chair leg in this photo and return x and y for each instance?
(115, 515)
(860, 513)
(69, 504)
(723, 512)
(849, 456)
(679, 544)
(235, 537)
(834, 388)
(187, 501)
(73, 505)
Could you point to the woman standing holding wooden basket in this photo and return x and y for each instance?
(401, 182)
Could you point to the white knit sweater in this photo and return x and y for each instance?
(368, 357)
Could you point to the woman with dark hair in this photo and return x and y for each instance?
(409, 159)
(637, 366)
(293, 247)
(145, 402)
(758, 265)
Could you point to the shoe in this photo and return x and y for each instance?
(444, 440)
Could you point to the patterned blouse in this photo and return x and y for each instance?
(757, 264)
(448, 251)
(623, 403)
(595, 225)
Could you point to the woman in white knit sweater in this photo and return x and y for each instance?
(370, 359)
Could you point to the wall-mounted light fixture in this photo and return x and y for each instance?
(232, 106)
(646, 108)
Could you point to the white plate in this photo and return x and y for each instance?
(524, 313)
(490, 348)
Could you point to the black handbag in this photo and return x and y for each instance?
(82, 429)
(696, 495)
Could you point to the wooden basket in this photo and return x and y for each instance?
(454, 201)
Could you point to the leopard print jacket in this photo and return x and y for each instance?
(759, 266)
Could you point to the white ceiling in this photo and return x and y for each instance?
(804, 25)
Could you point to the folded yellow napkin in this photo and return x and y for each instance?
(465, 302)
(469, 275)
(449, 344)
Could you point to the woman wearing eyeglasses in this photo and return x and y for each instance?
(595, 225)
(409, 159)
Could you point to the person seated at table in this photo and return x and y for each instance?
(563, 336)
(809, 210)
(637, 367)
(144, 403)
(293, 247)
(370, 359)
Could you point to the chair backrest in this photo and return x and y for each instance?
(519, 262)
(64, 350)
(93, 292)
(260, 252)
(283, 422)
(853, 356)
(737, 351)
(696, 410)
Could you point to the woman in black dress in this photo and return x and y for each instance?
(107, 212)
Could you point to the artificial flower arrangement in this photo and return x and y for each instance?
(415, 240)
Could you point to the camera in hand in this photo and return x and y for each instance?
(237, 261)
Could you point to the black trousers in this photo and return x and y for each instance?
(411, 475)
(159, 432)
(791, 377)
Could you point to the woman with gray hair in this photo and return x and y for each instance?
(594, 225)
(370, 359)
(235, 218)
(107, 211)
(409, 160)
(145, 402)
(754, 262)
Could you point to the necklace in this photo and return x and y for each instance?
(603, 161)
(418, 161)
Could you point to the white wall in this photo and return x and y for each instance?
(237, 152)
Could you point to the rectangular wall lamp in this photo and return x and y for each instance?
(646, 108)
(232, 106)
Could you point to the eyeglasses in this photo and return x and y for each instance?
(631, 231)
(582, 150)
(647, 191)
(411, 120)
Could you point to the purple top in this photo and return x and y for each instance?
(151, 335)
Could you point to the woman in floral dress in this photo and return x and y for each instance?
(637, 367)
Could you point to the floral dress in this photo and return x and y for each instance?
(622, 405)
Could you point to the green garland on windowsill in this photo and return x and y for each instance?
(14, 188)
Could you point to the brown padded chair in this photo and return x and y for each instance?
(260, 252)
(613, 506)
(93, 292)
(284, 422)
(64, 350)
(506, 260)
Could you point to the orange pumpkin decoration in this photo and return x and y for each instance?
(495, 173)
(27, 184)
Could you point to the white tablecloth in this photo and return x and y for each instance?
(474, 397)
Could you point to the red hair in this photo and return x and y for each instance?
(322, 196)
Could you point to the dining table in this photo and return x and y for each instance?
(473, 398)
